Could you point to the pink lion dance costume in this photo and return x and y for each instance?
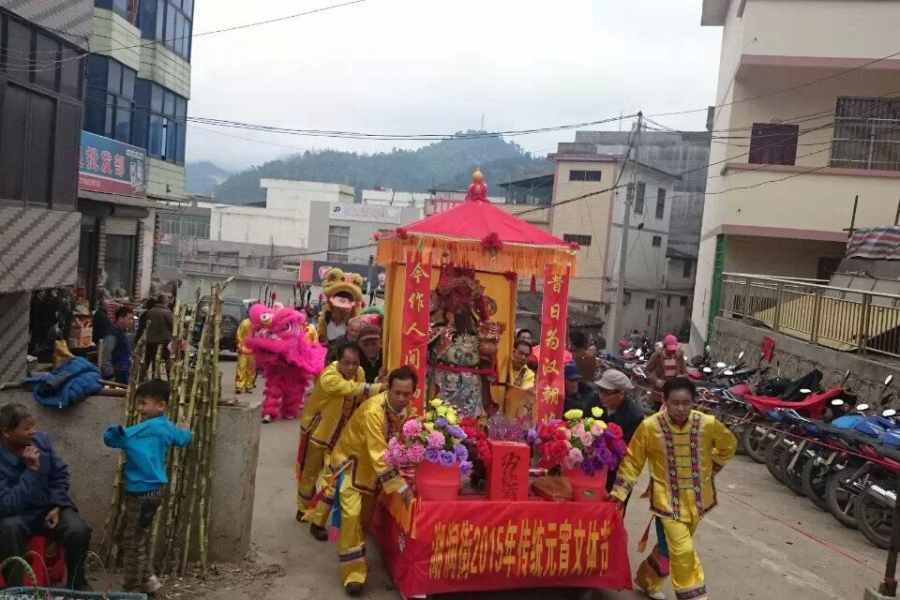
(288, 362)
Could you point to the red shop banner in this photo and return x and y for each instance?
(551, 393)
(414, 328)
(480, 545)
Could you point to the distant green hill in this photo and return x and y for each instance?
(442, 165)
(203, 177)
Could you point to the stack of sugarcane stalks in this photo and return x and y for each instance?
(181, 528)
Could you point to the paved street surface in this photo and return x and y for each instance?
(757, 545)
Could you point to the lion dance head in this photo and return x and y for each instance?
(278, 341)
(344, 299)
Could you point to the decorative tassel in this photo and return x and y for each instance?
(642, 545)
(533, 287)
(335, 529)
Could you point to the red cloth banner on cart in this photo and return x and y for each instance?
(551, 391)
(414, 330)
(480, 545)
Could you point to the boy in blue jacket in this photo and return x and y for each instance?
(145, 446)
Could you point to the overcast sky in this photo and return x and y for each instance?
(436, 66)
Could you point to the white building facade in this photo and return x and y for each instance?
(805, 122)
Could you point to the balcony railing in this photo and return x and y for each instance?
(849, 320)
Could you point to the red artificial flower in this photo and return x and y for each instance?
(402, 233)
(574, 246)
(614, 430)
(491, 243)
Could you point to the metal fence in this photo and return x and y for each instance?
(849, 320)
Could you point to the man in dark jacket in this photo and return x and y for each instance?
(116, 360)
(579, 394)
(34, 497)
(618, 408)
(159, 333)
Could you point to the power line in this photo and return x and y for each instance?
(789, 89)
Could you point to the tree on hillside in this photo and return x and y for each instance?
(446, 164)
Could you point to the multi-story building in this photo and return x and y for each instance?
(41, 67)
(138, 87)
(806, 121)
(264, 245)
(596, 220)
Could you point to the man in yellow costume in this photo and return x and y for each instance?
(685, 449)
(337, 391)
(245, 375)
(357, 473)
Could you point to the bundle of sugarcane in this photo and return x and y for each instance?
(182, 525)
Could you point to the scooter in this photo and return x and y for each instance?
(756, 440)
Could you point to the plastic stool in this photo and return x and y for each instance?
(55, 569)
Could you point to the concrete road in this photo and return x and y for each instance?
(763, 542)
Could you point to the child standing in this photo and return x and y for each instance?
(145, 446)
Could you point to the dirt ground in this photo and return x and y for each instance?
(763, 542)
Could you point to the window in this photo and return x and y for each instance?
(119, 264)
(168, 256)
(109, 98)
(581, 240)
(867, 134)
(686, 268)
(682, 301)
(127, 9)
(188, 226)
(639, 201)
(657, 241)
(160, 121)
(338, 243)
(660, 203)
(168, 21)
(584, 175)
(772, 144)
(40, 115)
(39, 58)
(650, 303)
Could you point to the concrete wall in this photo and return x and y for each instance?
(282, 194)
(38, 247)
(585, 218)
(796, 358)
(165, 179)
(260, 226)
(77, 436)
(857, 29)
(166, 68)
(14, 310)
(114, 36)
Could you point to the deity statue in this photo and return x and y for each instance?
(462, 343)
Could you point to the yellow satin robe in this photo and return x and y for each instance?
(245, 374)
(682, 462)
(332, 401)
(357, 465)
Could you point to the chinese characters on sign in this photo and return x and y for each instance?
(414, 328)
(530, 548)
(111, 167)
(550, 390)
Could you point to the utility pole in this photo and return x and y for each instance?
(617, 329)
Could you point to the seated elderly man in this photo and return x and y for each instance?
(34, 497)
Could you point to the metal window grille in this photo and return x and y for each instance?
(867, 134)
(584, 175)
(581, 240)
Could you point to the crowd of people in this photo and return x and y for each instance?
(355, 406)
